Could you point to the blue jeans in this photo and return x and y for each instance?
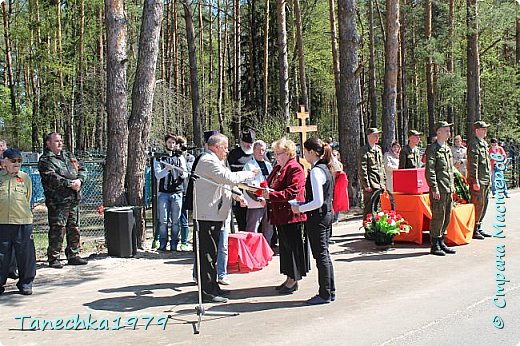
(184, 226)
(169, 205)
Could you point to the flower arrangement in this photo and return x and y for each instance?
(387, 222)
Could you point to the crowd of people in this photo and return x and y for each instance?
(294, 211)
(443, 164)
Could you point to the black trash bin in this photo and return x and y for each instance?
(120, 231)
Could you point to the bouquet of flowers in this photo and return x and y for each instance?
(387, 222)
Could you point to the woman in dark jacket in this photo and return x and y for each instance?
(319, 189)
(287, 182)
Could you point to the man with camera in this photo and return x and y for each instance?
(170, 172)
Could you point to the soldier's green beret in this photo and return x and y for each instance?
(480, 125)
(414, 133)
(373, 130)
(440, 124)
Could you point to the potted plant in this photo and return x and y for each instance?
(384, 226)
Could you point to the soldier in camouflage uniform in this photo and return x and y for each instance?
(371, 169)
(410, 157)
(479, 169)
(439, 175)
(62, 178)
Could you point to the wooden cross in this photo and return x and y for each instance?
(303, 128)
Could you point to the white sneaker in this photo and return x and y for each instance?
(224, 281)
(183, 247)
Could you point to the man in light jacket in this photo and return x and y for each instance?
(212, 203)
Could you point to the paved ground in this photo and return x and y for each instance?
(395, 296)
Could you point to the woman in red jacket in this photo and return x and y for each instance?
(287, 182)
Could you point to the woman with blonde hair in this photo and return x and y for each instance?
(287, 183)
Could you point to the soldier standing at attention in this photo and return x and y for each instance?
(62, 179)
(479, 169)
(439, 175)
(410, 157)
(371, 168)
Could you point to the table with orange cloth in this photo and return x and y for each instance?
(247, 252)
(416, 210)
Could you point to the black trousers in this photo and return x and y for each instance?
(19, 238)
(209, 233)
(240, 215)
(318, 229)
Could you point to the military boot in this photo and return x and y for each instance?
(445, 248)
(477, 235)
(482, 232)
(436, 248)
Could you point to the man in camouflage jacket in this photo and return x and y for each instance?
(439, 175)
(479, 169)
(62, 178)
(371, 169)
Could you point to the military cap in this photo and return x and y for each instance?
(12, 153)
(414, 133)
(480, 125)
(248, 136)
(440, 124)
(372, 130)
(208, 134)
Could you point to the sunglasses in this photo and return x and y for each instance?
(17, 160)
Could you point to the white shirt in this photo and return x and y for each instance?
(318, 179)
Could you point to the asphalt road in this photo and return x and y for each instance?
(395, 296)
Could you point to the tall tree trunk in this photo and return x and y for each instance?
(372, 88)
(304, 98)
(80, 137)
(404, 74)
(10, 77)
(415, 79)
(34, 82)
(266, 61)
(117, 103)
(391, 67)
(101, 113)
(283, 64)
(220, 62)
(67, 115)
(237, 122)
(194, 75)
(335, 58)
(201, 64)
(473, 74)
(349, 126)
(142, 105)
(429, 68)
(211, 67)
(449, 61)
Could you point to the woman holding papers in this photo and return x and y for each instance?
(318, 207)
(287, 182)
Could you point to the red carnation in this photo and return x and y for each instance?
(263, 184)
(19, 179)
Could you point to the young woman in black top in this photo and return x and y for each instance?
(318, 207)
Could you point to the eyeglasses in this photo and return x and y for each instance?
(17, 160)
(279, 153)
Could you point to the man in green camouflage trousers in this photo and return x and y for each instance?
(479, 169)
(439, 175)
(371, 169)
(62, 178)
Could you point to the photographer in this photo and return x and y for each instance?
(170, 172)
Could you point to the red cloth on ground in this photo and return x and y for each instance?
(248, 252)
(340, 201)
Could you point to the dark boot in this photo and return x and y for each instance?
(436, 249)
(482, 233)
(444, 248)
(477, 235)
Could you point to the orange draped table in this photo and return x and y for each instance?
(248, 252)
(416, 210)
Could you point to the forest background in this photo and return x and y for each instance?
(115, 76)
